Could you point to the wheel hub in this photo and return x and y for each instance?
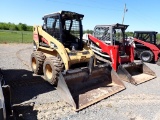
(34, 63)
(48, 71)
(146, 57)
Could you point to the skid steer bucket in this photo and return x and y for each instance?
(135, 73)
(82, 87)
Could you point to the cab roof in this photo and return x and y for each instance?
(117, 25)
(61, 13)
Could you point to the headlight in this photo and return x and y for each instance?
(53, 45)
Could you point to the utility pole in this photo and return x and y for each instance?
(125, 10)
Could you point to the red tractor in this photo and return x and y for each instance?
(146, 47)
(109, 45)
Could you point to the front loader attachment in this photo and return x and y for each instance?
(135, 73)
(83, 87)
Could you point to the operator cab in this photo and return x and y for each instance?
(147, 36)
(111, 34)
(66, 27)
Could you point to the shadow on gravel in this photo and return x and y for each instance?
(24, 87)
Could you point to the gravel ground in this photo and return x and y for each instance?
(33, 98)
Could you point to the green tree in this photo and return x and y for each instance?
(12, 26)
(29, 28)
(88, 31)
(129, 34)
(22, 27)
(4, 26)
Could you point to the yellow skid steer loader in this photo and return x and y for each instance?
(68, 62)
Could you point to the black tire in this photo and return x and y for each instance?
(37, 60)
(146, 56)
(51, 68)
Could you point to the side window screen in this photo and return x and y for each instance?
(73, 27)
(50, 22)
(53, 27)
(102, 33)
(67, 24)
(56, 24)
(75, 30)
(147, 37)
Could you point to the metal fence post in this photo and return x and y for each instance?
(22, 37)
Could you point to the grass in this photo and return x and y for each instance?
(15, 36)
(7, 36)
(158, 38)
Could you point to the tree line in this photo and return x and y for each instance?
(16, 27)
(25, 27)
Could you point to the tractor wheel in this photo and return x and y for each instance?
(37, 60)
(146, 56)
(51, 68)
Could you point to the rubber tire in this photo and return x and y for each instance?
(55, 65)
(150, 54)
(37, 59)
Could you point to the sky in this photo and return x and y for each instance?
(141, 14)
